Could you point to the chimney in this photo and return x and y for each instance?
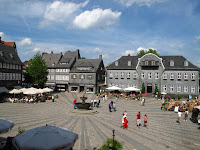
(100, 57)
(51, 52)
(129, 54)
(0, 38)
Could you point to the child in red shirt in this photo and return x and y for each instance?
(145, 121)
(125, 123)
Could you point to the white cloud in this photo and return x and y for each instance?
(131, 52)
(145, 49)
(59, 11)
(36, 49)
(197, 37)
(198, 63)
(97, 50)
(105, 56)
(148, 3)
(25, 42)
(2, 35)
(97, 18)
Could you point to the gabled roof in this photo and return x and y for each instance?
(123, 63)
(51, 59)
(67, 59)
(83, 63)
(9, 55)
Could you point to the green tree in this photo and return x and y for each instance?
(156, 90)
(37, 70)
(109, 145)
(143, 88)
(143, 52)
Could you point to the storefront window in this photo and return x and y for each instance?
(74, 89)
(90, 89)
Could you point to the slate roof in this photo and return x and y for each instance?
(93, 63)
(9, 55)
(123, 63)
(51, 59)
(68, 58)
(178, 63)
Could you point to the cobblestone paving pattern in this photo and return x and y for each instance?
(93, 130)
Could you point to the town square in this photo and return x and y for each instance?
(99, 75)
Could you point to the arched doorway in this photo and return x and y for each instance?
(149, 88)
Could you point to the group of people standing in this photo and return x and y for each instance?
(138, 120)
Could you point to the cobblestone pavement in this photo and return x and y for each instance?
(93, 130)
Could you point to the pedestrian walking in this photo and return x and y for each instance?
(179, 117)
(123, 116)
(138, 120)
(125, 123)
(145, 121)
(74, 102)
(186, 115)
(110, 106)
(52, 98)
(125, 113)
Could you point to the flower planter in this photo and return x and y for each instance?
(143, 95)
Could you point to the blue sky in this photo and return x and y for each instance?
(111, 28)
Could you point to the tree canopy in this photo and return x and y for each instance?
(37, 71)
(143, 52)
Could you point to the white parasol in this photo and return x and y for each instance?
(113, 88)
(132, 89)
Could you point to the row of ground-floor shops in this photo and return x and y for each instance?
(88, 88)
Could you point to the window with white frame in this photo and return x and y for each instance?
(48, 77)
(186, 63)
(13, 66)
(157, 75)
(0, 76)
(146, 63)
(129, 63)
(122, 86)
(142, 75)
(57, 70)
(185, 89)
(171, 62)
(193, 76)
(1, 65)
(82, 76)
(164, 76)
(171, 76)
(149, 75)
(134, 75)
(3, 76)
(128, 75)
(178, 88)
(10, 76)
(116, 63)
(74, 76)
(7, 66)
(67, 77)
(7, 76)
(122, 75)
(110, 75)
(16, 67)
(20, 67)
(179, 76)
(52, 77)
(171, 88)
(116, 75)
(192, 89)
(164, 88)
(185, 76)
(90, 77)
(153, 63)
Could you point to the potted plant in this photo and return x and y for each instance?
(143, 89)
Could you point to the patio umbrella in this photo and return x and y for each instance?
(132, 89)
(5, 125)
(163, 93)
(46, 138)
(48, 90)
(31, 92)
(15, 91)
(41, 90)
(113, 88)
(23, 89)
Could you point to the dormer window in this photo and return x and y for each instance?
(129, 63)
(146, 63)
(171, 62)
(186, 63)
(11, 55)
(153, 63)
(116, 63)
(53, 64)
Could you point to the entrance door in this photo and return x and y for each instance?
(81, 88)
(149, 88)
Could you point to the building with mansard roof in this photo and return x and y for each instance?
(10, 66)
(172, 74)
